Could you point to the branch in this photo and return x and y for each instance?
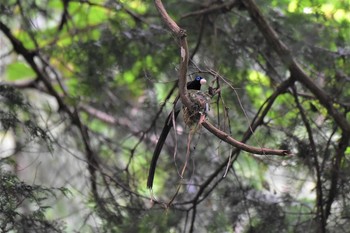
(29, 57)
(73, 114)
(225, 7)
(319, 191)
(336, 169)
(253, 126)
(181, 35)
(300, 75)
(294, 67)
(105, 117)
(256, 150)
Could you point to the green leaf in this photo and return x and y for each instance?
(259, 78)
(347, 151)
(136, 5)
(97, 15)
(129, 77)
(18, 71)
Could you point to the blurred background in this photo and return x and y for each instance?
(86, 87)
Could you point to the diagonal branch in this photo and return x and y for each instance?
(181, 35)
(42, 76)
(256, 150)
(253, 126)
(224, 7)
(294, 67)
(300, 75)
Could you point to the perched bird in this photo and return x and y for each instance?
(192, 85)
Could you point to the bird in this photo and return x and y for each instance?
(192, 85)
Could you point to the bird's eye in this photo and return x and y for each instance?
(198, 78)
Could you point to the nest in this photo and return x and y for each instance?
(200, 107)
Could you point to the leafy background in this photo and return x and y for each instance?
(85, 89)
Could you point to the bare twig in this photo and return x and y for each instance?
(254, 125)
(339, 155)
(317, 166)
(227, 6)
(300, 75)
(296, 71)
(29, 56)
(181, 35)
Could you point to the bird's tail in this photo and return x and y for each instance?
(166, 129)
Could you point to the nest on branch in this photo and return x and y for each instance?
(200, 106)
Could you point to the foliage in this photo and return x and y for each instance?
(22, 206)
(86, 87)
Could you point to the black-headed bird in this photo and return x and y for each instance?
(192, 85)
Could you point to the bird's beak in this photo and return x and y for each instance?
(203, 81)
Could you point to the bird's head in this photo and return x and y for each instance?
(196, 83)
(201, 80)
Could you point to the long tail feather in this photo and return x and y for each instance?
(166, 129)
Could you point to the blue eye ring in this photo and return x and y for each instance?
(198, 78)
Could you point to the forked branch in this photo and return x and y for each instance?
(181, 35)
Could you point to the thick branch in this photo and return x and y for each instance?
(296, 71)
(29, 57)
(166, 18)
(73, 114)
(181, 35)
(300, 75)
(265, 108)
(256, 150)
(255, 124)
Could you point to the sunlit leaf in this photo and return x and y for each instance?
(19, 70)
